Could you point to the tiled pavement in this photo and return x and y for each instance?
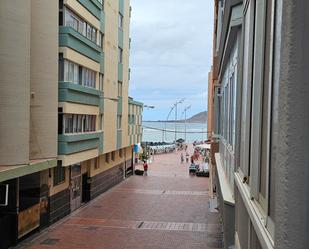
(166, 209)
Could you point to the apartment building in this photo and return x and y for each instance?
(28, 107)
(260, 115)
(135, 129)
(65, 133)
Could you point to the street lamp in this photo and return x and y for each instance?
(177, 102)
(149, 106)
(146, 147)
(185, 112)
(164, 132)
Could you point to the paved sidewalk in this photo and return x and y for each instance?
(167, 209)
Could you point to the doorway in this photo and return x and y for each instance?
(75, 187)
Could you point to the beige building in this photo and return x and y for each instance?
(68, 126)
(260, 122)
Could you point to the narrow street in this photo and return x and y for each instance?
(166, 209)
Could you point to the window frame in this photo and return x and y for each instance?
(262, 85)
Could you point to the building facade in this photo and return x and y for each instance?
(65, 134)
(259, 119)
(135, 130)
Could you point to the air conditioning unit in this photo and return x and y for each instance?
(4, 194)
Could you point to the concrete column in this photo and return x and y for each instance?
(292, 168)
(15, 25)
(44, 79)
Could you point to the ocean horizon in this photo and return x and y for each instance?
(153, 131)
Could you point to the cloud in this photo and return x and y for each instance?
(171, 52)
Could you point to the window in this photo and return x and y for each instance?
(59, 173)
(113, 156)
(120, 52)
(61, 13)
(101, 2)
(247, 89)
(70, 72)
(101, 82)
(73, 21)
(119, 119)
(101, 122)
(100, 41)
(120, 153)
(77, 74)
(68, 123)
(78, 123)
(259, 128)
(120, 21)
(119, 89)
(88, 78)
(60, 120)
(84, 28)
(107, 158)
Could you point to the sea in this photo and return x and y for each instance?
(154, 131)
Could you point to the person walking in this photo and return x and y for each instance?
(187, 157)
(145, 165)
(181, 158)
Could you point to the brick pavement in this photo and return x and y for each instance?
(166, 209)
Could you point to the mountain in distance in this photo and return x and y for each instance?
(197, 118)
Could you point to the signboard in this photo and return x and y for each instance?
(4, 194)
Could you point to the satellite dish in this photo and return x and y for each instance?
(4, 194)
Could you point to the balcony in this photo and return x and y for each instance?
(68, 37)
(93, 6)
(70, 92)
(73, 143)
(121, 6)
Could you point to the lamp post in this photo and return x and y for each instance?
(176, 104)
(164, 132)
(149, 106)
(146, 147)
(185, 112)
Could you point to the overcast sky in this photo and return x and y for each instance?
(170, 54)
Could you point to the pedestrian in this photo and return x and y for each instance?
(181, 158)
(145, 165)
(192, 159)
(187, 157)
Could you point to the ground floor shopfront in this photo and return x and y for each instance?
(38, 200)
(27, 209)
